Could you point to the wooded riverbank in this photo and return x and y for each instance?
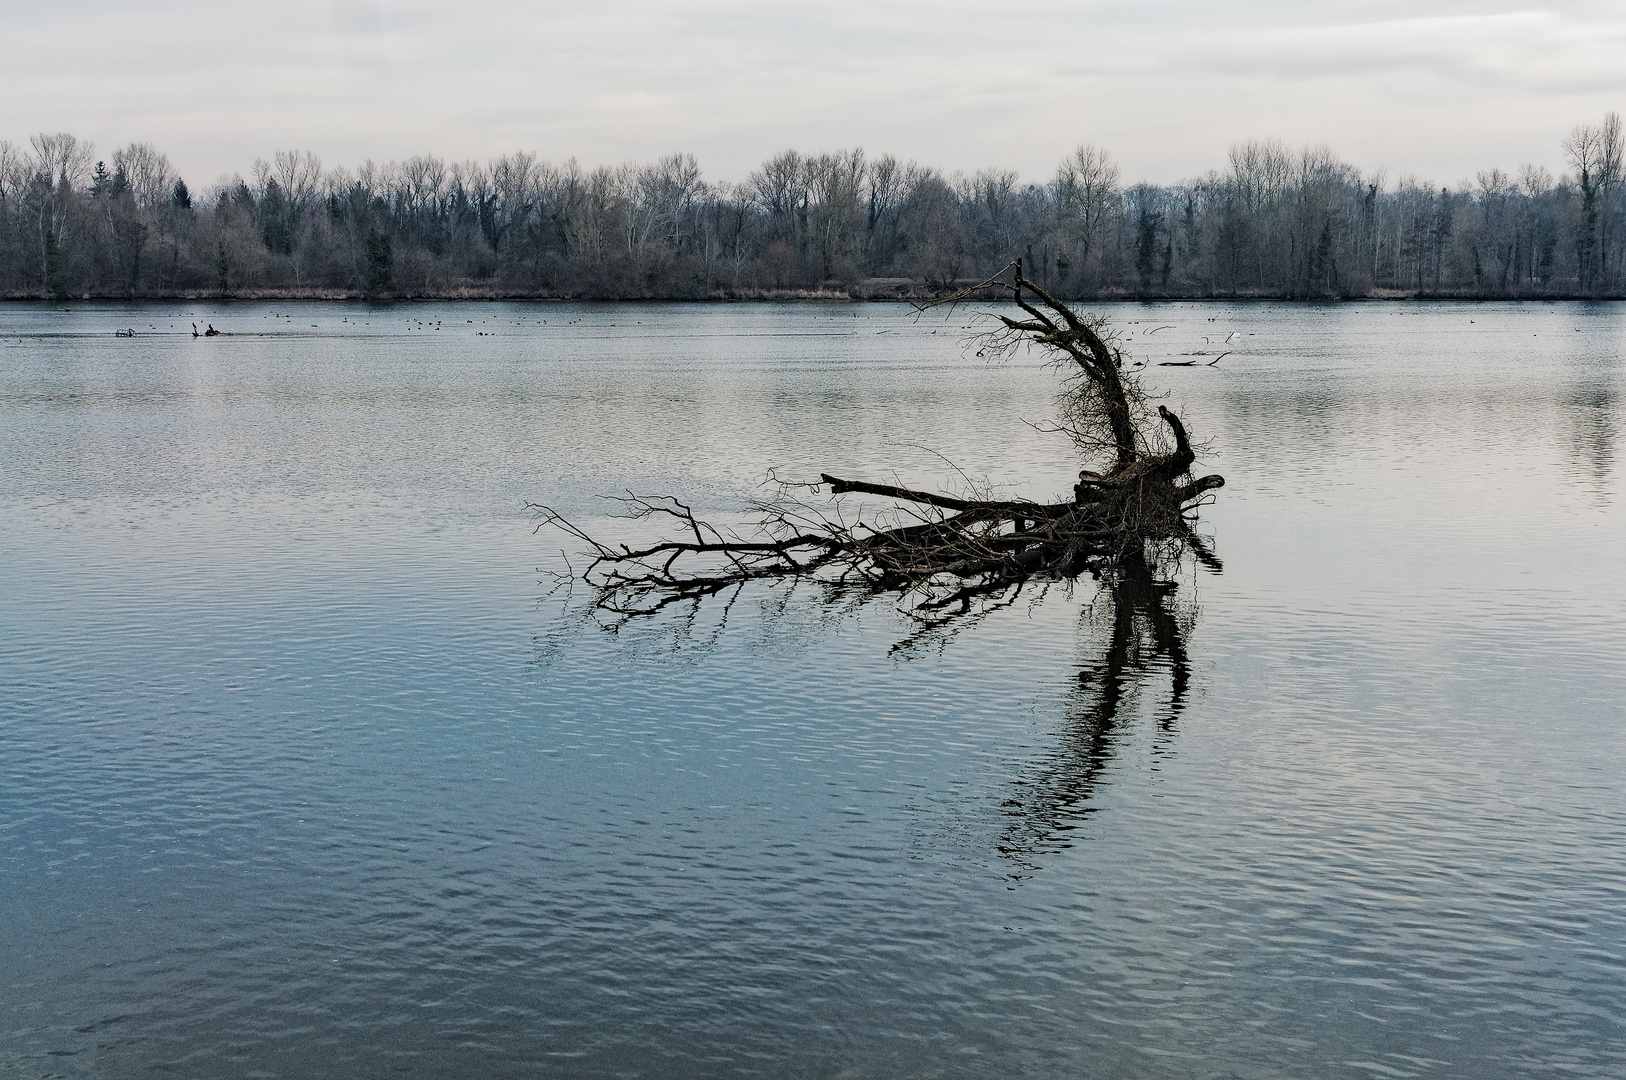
(1273, 223)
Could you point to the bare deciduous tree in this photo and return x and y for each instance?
(148, 173)
(1087, 193)
(62, 159)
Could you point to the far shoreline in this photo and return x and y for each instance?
(817, 296)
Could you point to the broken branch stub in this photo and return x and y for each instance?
(955, 551)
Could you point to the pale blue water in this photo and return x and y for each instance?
(303, 773)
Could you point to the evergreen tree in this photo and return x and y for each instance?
(56, 277)
(380, 263)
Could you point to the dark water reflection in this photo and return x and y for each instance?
(1145, 652)
(1596, 411)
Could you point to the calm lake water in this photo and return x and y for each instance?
(304, 773)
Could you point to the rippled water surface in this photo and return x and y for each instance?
(304, 774)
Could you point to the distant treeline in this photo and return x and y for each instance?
(1273, 222)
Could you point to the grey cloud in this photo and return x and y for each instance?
(960, 85)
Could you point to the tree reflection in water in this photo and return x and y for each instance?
(1141, 663)
(1145, 651)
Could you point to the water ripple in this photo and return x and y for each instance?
(299, 777)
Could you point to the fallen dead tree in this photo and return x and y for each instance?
(942, 555)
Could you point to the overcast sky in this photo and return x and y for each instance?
(1440, 90)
